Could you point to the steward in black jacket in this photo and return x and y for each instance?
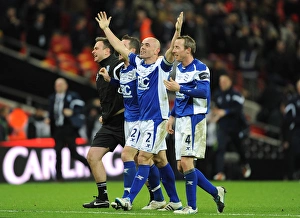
(111, 133)
(291, 136)
(231, 125)
(232, 102)
(110, 96)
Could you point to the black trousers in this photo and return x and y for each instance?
(224, 138)
(292, 155)
(65, 136)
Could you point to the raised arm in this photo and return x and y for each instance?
(169, 56)
(104, 22)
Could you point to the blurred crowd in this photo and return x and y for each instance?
(256, 42)
(17, 123)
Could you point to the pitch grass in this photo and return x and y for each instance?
(243, 199)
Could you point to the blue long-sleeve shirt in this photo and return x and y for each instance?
(194, 94)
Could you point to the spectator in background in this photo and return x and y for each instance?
(219, 68)
(231, 126)
(76, 7)
(66, 117)
(241, 11)
(143, 24)
(202, 37)
(52, 13)
(17, 119)
(163, 26)
(12, 28)
(37, 126)
(288, 34)
(38, 35)
(189, 27)
(80, 37)
(178, 6)
(119, 12)
(29, 10)
(5, 128)
(287, 94)
(297, 61)
(279, 64)
(269, 101)
(291, 136)
(149, 6)
(249, 61)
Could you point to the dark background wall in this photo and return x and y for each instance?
(21, 75)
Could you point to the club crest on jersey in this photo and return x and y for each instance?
(184, 77)
(143, 83)
(126, 91)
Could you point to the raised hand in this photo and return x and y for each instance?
(179, 22)
(102, 20)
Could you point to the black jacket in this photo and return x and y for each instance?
(231, 101)
(291, 121)
(110, 96)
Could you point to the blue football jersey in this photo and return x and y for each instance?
(194, 76)
(152, 93)
(128, 85)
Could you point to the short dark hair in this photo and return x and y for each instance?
(189, 42)
(105, 43)
(133, 42)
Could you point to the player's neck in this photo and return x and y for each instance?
(151, 60)
(187, 61)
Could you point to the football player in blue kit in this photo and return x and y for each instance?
(192, 87)
(128, 85)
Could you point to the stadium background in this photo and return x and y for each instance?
(255, 42)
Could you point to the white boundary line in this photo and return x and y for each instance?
(146, 214)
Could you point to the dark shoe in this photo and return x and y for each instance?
(220, 199)
(97, 203)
